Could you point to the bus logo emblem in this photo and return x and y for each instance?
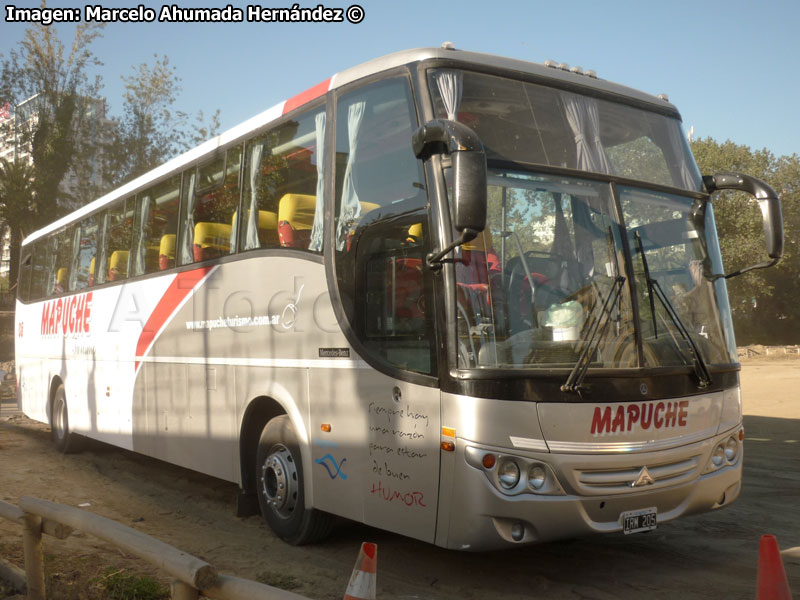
(643, 479)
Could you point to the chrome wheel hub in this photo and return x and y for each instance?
(279, 483)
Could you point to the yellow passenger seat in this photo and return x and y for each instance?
(211, 240)
(118, 265)
(267, 227)
(166, 252)
(61, 280)
(295, 219)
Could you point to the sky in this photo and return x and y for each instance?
(730, 67)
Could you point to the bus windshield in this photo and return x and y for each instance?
(541, 282)
(535, 124)
(548, 282)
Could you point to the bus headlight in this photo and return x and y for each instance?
(719, 456)
(536, 477)
(508, 474)
(731, 449)
(513, 475)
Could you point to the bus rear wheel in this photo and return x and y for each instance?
(281, 495)
(65, 441)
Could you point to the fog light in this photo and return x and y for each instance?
(536, 477)
(508, 474)
(719, 455)
(517, 531)
(731, 449)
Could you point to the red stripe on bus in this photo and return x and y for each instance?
(180, 287)
(307, 96)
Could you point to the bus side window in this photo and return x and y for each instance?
(39, 272)
(380, 219)
(210, 202)
(283, 186)
(85, 257)
(118, 239)
(98, 269)
(59, 261)
(25, 270)
(156, 226)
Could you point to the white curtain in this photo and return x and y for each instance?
(187, 254)
(351, 207)
(76, 257)
(316, 231)
(100, 271)
(141, 247)
(52, 258)
(450, 84)
(583, 118)
(252, 241)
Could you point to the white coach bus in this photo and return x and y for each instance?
(472, 300)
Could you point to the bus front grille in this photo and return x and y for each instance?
(618, 481)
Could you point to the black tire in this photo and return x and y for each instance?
(65, 441)
(279, 479)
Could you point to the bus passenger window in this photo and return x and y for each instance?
(380, 216)
(59, 261)
(25, 268)
(156, 219)
(39, 271)
(283, 185)
(118, 239)
(88, 237)
(211, 200)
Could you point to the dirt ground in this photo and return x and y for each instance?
(705, 556)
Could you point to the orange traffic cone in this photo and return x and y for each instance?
(772, 583)
(362, 581)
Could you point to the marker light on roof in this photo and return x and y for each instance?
(591, 73)
(551, 63)
(663, 97)
(563, 66)
(448, 46)
(577, 70)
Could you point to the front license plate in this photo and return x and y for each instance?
(634, 521)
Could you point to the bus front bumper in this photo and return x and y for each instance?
(481, 517)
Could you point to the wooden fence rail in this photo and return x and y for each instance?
(192, 575)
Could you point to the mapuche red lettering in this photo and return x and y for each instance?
(67, 315)
(659, 415)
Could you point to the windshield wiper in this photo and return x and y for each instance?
(653, 288)
(596, 331)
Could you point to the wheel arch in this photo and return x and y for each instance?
(259, 411)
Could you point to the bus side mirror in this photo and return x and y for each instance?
(770, 212)
(443, 136)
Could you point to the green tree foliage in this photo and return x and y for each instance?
(18, 206)
(151, 130)
(51, 129)
(60, 132)
(765, 303)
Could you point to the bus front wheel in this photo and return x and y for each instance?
(281, 496)
(65, 441)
